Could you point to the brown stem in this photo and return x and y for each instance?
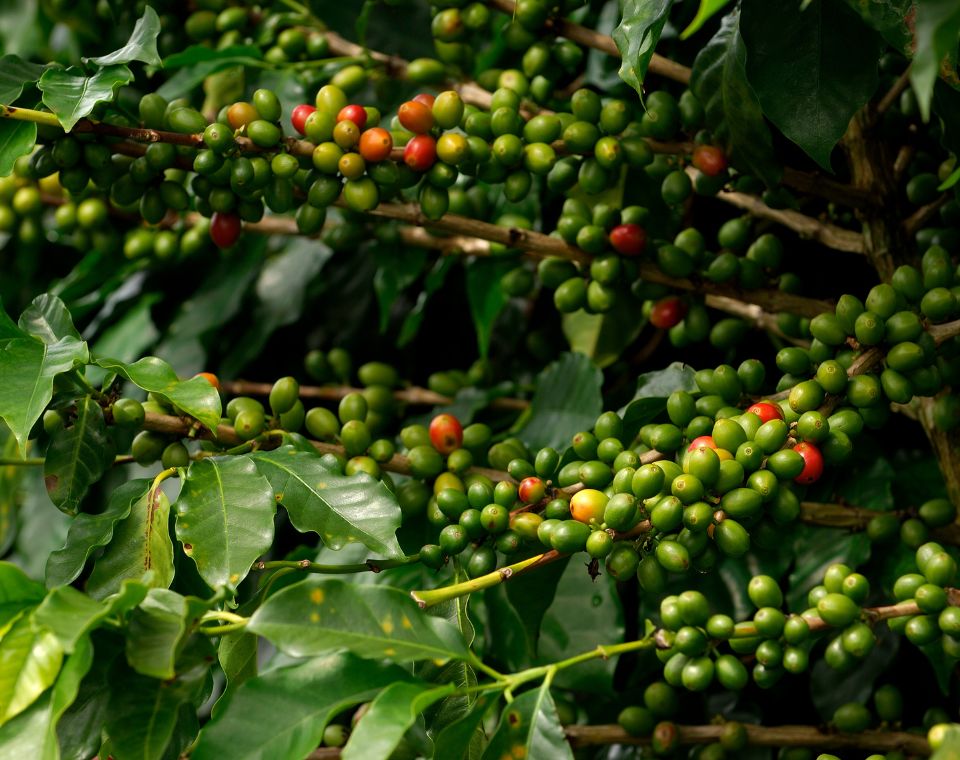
(812, 737)
(413, 395)
(924, 214)
(753, 314)
(894, 93)
(827, 234)
(814, 183)
(590, 38)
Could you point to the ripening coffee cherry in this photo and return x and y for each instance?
(415, 116)
(531, 490)
(446, 433)
(709, 159)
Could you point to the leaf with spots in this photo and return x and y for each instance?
(292, 706)
(140, 548)
(393, 711)
(341, 509)
(225, 518)
(317, 616)
(530, 727)
(77, 457)
(88, 532)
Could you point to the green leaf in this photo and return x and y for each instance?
(142, 45)
(281, 292)
(48, 319)
(28, 367)
(637, 35)
(431, 284)
(237, 655)
(567, 400)
(11, 481)
(128, 338)
(195, 396)
(397, 269)
(88, 532)
(811, 70)
(603, 337)
(650, 398)
(73, 96)
(316, 616)
(77, 457)
(937, 25)
(733, 112)
(456, 740)
(893, 19)
(70, 615)
(391, 713)
(486, 296)
(531, 595)
(292, 706)
(158, 629)
(341, 509)
(143, 712)
(79, 728)
(15, 74)
(30, 659)
(706, 10)
(225, 518)
(140, 549)
(33, 733)
(950, 181)
(198, 62)
(17, 592)
(530, 727)
(17, 139)
(8, 328)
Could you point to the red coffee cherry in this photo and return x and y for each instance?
(224, 229)
(426, 98)
(298, 118)
(813, 463)
(766, 411)
(668, 312)
(420, 153)
(628, 239)
(356, 114)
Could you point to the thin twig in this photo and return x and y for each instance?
(894, 93)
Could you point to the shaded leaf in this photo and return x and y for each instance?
(431, 284)
(391, 713)
(15, 74)
(317, 616)
(530, 727)
(811, 70)
(237, 655)
(142, 45)
(72, 96)
(127, 339)
(17, 139)
(89, 532)
(77, 457)
(636, 36)
(342, 509)
(486, 296)
(225, 518)
(456, 740)
(157, 631)
(567, 400)
(198, 62)
(719, 81)
(292, 705)
(140, 549)
(397, 269)
(531, 595)
(603, 337)
(893, 19)
(28, 367)
(650, 398)
(937, 27)
(195, 396)
(816, 548)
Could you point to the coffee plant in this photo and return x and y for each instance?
(604, 393)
